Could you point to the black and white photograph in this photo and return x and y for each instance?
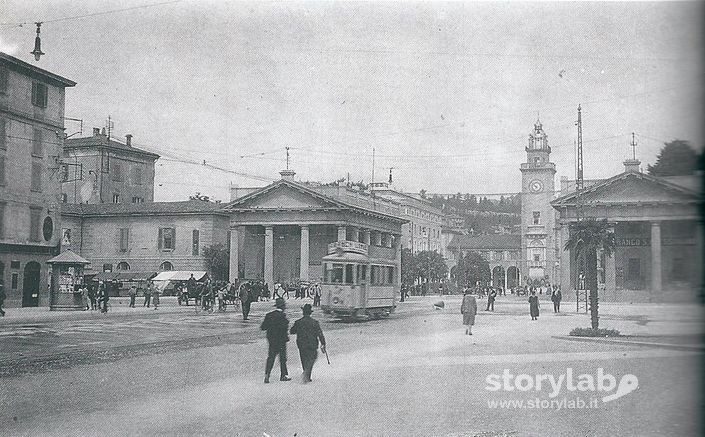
(351, 218)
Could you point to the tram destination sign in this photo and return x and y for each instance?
(348, 246)
(631, 242)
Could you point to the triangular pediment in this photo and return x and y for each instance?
(281, 195)
(631, 188)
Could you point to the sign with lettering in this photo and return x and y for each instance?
(633, 241)
(348, 246)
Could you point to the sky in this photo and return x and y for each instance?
(446, 94)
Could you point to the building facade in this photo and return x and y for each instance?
(31, 139)
(501, 251)
(425, 222)
(144, 237)
(281, 232)
(99, 169)
(657, 230)
(539, 243)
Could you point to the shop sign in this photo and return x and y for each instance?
(632, 242)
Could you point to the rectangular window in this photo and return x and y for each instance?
(117, 172)
(137, 176)
(137, 199)
(4, 76)
(36, 177)
(124, 239)
(64, 198)
(2, 170)
(537, 257)
(37, 139)
(35, 216)
(3, 133)
(2, 220)
(40, 94)
(15, 280)
(116, 198)
(194, 242)
(537, 217)
(15, 265)
(167, 238)
(107, 267)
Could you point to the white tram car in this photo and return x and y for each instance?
(355, 285)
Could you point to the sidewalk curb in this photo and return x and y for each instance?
(699, 348)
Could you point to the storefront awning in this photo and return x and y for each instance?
(179, 275)
(124, 276)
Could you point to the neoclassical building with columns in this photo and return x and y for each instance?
(281, 232)
(657, 230)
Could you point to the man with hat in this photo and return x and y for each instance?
(308, 333)
(276, 324)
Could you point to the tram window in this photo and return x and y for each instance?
(374, 274)
(390, 275)
(361, 274)
(335, 274)
(349, 276)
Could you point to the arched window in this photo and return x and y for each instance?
(166, 266)
(123, 266)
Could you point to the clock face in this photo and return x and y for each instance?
(535, 186)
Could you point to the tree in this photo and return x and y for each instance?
(218, 261)
(587, 237)
(408, 267)
(471, 269)
(422, 194)
(430, 266)
(677, 158)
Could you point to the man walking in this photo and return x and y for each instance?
(148, 295)
(308, 333)
(491, 296)
(245, 301)
(132, 292)
(277, 325)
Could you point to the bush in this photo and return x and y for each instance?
(589, 332)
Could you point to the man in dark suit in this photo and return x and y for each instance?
(308, 333)
(276, 324)
(245, 301)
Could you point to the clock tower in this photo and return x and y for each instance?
(539, 250)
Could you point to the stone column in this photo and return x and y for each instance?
(565, 259)
(377, 238)
(303, 274)
(234, 253)
(342, 233)
(354, 234)
(366, 236)
(505, 279)
(269, 256)
(655, 257)
(611, 273)
(388, 241)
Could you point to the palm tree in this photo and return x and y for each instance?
(587, 237)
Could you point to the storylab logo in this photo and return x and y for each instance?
(594, 386)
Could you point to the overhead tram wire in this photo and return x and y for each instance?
(94, 14)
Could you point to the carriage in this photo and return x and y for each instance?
(355, 285)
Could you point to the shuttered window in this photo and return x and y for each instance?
(2, 170)
(167, 238)
(36, 177)
(35, 216)
(124, 239)
(3, 133)
(37, 139)
(195, 242)
(4, 75)
(40, 94)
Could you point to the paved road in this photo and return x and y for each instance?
(412, 374)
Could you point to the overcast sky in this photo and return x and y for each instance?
(446, 93)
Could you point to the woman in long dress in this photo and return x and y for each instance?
(468, 309)
(534, 305)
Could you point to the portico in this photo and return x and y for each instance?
(656, 227)
(281, 232)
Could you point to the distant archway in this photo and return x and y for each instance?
(30, 284)
(123, 266)
(498, 276)
(512, 277)
(166, 266)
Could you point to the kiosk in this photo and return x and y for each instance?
(66, 281)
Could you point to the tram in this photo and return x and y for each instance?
(356, 286)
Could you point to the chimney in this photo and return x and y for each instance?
(128, 140)
(632, 165)
(287, 174)
(96, 131)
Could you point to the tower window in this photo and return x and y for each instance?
(537, 161)
(537, 217)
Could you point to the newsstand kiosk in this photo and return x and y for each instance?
(66, 281)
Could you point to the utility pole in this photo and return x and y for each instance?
(633, 146)
(581, 295)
